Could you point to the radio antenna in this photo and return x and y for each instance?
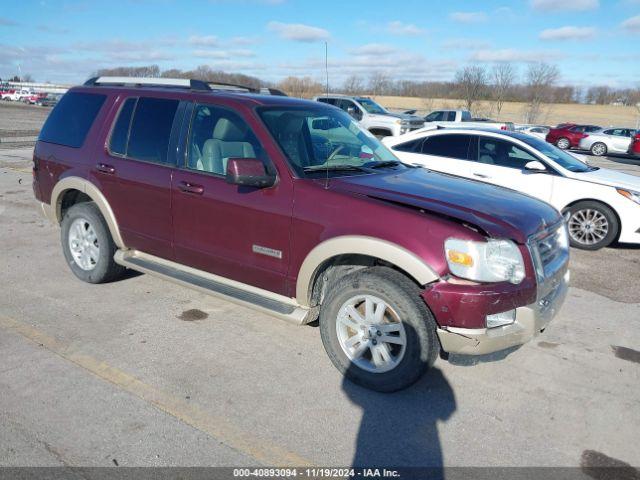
(326, 71)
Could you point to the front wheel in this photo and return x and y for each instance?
(377, 330)
(592, 225)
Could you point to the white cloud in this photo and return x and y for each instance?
(468, 17)
(632, 24)
(465, 44)
(223, 54)
(566, 5)
(373, 49)
(298, 32)
(203, 40)
(400, 28)
(568, 33)
(514, 55)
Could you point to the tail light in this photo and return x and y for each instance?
(503, 127)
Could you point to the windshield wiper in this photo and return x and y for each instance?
(383, 164)
(337, 168)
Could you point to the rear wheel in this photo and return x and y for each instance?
(592, 225)
(377, 330)
(563, 143)
(598, 149)
(87, 244)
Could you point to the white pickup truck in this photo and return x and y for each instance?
(372, 117)
(17, 95)
(463, 118)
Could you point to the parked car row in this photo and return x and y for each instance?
(594, 139)
(30, 97)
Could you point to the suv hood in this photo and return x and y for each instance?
(393, 116)
(500, 212)
(604, 176)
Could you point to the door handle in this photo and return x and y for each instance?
(191, 188)
(103, 167)
(481, 175)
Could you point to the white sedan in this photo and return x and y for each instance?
(601, 205)
(535, 130)
(611, 140)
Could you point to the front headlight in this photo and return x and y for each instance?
(630, 194)
(490, 261)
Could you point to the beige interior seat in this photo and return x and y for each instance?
(229, 140)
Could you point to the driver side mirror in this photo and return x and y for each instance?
(535, 167)
(249, 172)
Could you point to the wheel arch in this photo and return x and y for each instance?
(380, 130)
(85, 187)
(615, 212)
(329, 252)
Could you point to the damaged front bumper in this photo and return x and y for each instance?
(529, 321)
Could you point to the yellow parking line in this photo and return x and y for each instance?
(220, 428)
(20, 170)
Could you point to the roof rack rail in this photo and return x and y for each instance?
(142, 81)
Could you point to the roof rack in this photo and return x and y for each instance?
(142, 81)
(180, 83)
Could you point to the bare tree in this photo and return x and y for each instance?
(301, 87)
(540, 79)
(144, 71)
(353, 85)
(471, 82)
(503, 76)
(379, 83)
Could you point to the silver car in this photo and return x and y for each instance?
(609, 140)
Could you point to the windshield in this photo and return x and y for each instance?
(317, 140)
(370, 106)
(562, 158)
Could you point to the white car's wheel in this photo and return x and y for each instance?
(598, 149)
(592, 225)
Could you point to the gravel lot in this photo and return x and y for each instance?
(124, 374)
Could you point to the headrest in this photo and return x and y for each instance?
(228, 131)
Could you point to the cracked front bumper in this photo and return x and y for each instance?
(529, 322)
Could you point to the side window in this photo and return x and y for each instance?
(351, 108)
(577, 129)
(466, 116)
(70, 120)
(216, 135)
(493, 151)
(451, 116)
(591, 129)
(414, 146)
(151, 129)
(448, 145)
(608, 132)
(435, 117)
(120, 132)
(330, 101)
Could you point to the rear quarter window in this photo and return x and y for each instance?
(71, 119)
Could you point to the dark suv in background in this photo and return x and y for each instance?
(287, 206)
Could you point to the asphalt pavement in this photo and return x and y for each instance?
(141, 372)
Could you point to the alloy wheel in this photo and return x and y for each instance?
(588, 226)
(83, 244)
(371, 333)
(563, 143)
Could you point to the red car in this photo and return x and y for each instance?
(568, 135)
(634, 148)
(287, 206)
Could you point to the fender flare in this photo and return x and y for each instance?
(88, 188)
(359, 245)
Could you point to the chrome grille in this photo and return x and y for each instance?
(550, 250)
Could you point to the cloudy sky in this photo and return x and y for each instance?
(592, 41)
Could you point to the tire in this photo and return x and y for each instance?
(592, 213)
(84, 225)
(598, 149)
(563, 143)
(406, 363)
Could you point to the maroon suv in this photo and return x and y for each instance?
(287, 206)
(568, 135)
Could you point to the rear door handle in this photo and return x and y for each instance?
(103, 167)
(481, 175)
(191, 188)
